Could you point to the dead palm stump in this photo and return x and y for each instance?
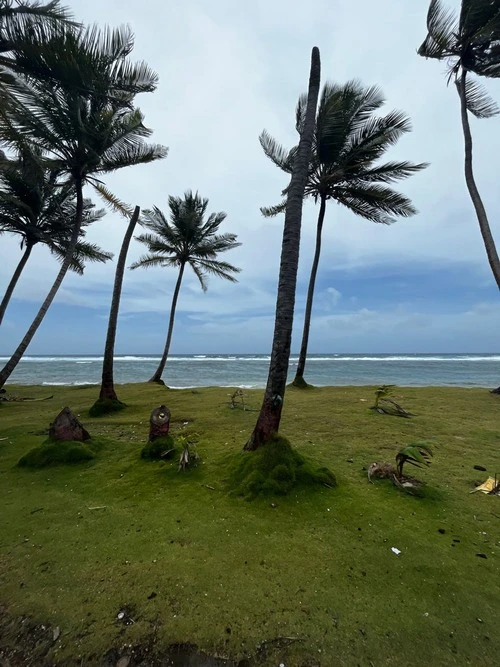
(159, 423)
(67, 427)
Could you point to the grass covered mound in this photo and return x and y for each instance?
(275, 469)
(106, 406)
(54, 452)
(154, 450)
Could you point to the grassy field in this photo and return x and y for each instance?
(307, 579)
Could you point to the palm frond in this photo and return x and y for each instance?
(300, 113)
(442, 27)
(479, 103)
(386, 173)
(148, 261)
(276, 153)
(374, 202)
(199, 274)
(219, 269)
(112, 200)
(271, 211)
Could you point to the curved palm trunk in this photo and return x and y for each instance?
(13, 281)
(299, 375)
(161, 367)
(482, 218)
(21, 348)
(270, 413)
(107, 382)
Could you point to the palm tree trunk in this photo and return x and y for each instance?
(13, 281)
(161, 367)
(270, 413)
(299, 375)
(107, 383)
(21, 348)
(482, 218)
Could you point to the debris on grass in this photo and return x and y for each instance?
(491, 487)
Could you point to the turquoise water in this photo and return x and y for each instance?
(250, 370)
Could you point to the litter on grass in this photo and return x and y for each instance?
(395, 551)
(491, 486)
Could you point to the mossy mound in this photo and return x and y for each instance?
(275, 469)
(55, 452)
(154, 450)
(105, 406)
(300, 383)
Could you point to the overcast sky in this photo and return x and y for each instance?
(228, 70)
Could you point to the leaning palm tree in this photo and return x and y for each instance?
(349, 140)
(270, 413)
(189, 239)
(470, 44)
(85, 132)
(36, 208)
(108, 400)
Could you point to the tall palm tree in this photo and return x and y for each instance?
(35, 207)
(85, 132)
(189, 239)
(269, 418)
(470, 44)
(348, 142)
(108, 400)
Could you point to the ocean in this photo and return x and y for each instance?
(250, 370)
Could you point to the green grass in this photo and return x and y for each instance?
(304, 579)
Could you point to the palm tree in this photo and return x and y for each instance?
(188, 239)
(470, 44)
(348, 142)
(36, 208)
(108, 400)
(270, 413)
(85, 132)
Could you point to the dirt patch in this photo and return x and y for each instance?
(24, 643)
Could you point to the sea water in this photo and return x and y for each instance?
(250, 370)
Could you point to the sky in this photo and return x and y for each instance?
(227, 70)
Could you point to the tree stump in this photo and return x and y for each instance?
(67, 427)
(159, 423)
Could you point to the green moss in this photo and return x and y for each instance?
(154, 450)
(274, 469)
(106, 406)
(300, 383)
(55, 452)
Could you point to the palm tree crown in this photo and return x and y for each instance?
(348, 142)
(470, 43)
(187, 239)
(34, 206)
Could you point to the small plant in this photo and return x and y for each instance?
(386, 405)
(189, 455)
(237, 400)
(417, 454)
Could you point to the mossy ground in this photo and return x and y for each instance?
(304, 579)
(57, 452)
(275, 469)
(106, 406)
(154, 450)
